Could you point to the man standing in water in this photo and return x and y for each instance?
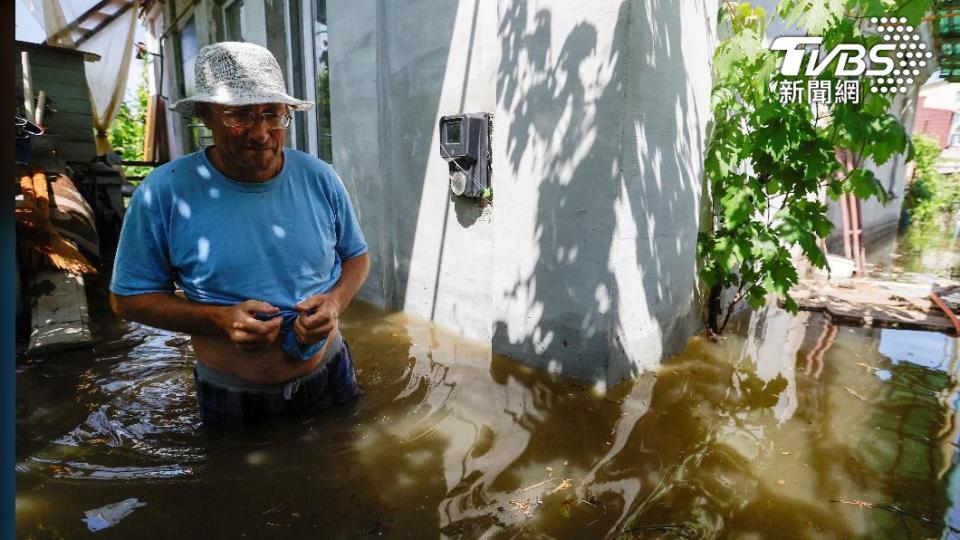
(262, 240)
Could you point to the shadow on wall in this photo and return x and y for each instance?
(389, 73)
(411, 123)
(619, 151)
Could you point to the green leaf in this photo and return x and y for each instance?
(890, 138)
(835, 190)
(913, 10)
(864, 184)
(814, 16)
(790, 305)
(781, 274)
(756, 296)
(737, 206)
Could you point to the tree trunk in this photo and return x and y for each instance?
(713, 310)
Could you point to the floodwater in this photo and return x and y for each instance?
(787, 428)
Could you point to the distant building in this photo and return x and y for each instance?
(935, 123)
(937, 116)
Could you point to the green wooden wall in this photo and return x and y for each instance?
(61, 75)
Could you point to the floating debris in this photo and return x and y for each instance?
(566, 484)
(854, 393)
(521, 506)
(111, 514)
(683, 530)
(547, 481)
(866, 505)
(864, 302)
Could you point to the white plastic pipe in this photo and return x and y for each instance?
(27, 86)
(41, 103)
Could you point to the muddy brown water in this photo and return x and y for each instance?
(788, 428)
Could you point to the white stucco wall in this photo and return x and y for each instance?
(394, 73)
(598, 189)
(941, 95)
(585, 262)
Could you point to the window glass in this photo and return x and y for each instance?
(297, 135)
(324, 136)
(233, 20)
(189, 46)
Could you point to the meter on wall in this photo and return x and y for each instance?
(465, 144)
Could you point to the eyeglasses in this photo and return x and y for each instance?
(246, 119)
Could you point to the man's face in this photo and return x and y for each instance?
(252, 153)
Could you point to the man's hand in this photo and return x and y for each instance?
(319, 316)
(245, 330)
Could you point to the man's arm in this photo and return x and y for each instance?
(327, 308)
(353, 273)
(170, 312)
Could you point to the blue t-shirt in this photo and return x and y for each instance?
(224, 241)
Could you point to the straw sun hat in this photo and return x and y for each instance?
(235, 73)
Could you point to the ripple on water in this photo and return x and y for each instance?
(749, 437)
(141, 420)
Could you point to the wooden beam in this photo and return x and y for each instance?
(134, 163)
(105, 22)
(95, 11)
(79, 20)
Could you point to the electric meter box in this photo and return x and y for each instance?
(465, 144)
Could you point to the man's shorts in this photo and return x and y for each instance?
(227, 399)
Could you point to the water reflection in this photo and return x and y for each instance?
(788, 427)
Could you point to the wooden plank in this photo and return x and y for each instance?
(77, 150)
(103, 24)
(50, 54)
(74, 105)
(861, 302)
(76, 125)
(73, 134)
(60, 318)
(134, 163)
(73, 151)
(56, 60)
(53, 49)
(71, 146)
(74, 25)
(67, 132)
(43, 73)
(60, 76)
(66, 89)
(71, 120)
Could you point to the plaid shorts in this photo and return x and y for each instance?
(225, 399)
